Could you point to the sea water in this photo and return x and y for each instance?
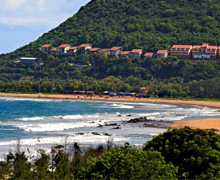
(41, 124)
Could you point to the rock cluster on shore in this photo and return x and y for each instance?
(150, 123)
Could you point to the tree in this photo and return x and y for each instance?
(130, 163)
(196, 152)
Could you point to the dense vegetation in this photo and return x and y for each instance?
(164, 77)
(176, 154)
(195, 152)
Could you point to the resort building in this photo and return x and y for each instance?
(115, 51)
(53, 51)
(104, 51)
(136, 53)
(204, 51)
(125, 54)
(161, 54)
(72, 50)
(45, 48)
(143, 90)
(148, 55)
(29, 61)
(63, 49)
(85, 47)
(181, 51)
(94, 50)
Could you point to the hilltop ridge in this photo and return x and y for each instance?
(147, 24)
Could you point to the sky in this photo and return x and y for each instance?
(23, 21)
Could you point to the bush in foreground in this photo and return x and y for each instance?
(196, 152)
(130, 163)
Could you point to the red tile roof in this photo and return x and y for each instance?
(149, 54)
(104, 50)
(46, 45)
(205, 45)
(144, 88)
(115, 48)
(162, 51)
(53, 49)
(136, 51)
(182, 46)
(94, 49)
(64, 45)
(197, 46)
(84, 45)
(74, 47)
(212, 47)
(125, 52)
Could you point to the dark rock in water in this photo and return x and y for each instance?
(79, 133)
(113, 124)
(118, 115)
(95, 133)
(144, 119)
(107, 134)
(118, 127)
(100, 126)
(128, 115)
(59, 147)
(91, 122)
(137, 120)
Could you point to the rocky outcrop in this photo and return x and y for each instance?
(145, 119)
(112, 124)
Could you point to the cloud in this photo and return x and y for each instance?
(12, 4)
(37, 12)
(23, 21)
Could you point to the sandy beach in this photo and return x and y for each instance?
(213, 123)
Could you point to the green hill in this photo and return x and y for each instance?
(147, 24)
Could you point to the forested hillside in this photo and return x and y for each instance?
(147, 24)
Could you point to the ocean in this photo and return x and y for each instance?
(41, 124)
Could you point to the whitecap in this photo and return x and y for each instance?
(71, 117)
(122, 106)
(92, 116)
(30, 119)
(53, 127)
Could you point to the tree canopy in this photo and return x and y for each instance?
(196, 153)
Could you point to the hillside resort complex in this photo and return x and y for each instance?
(204, 51)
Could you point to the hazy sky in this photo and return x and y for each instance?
(23, 21)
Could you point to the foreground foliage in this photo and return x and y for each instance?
(182, 154)
(118, 163)
(195, 152)
(130, 163)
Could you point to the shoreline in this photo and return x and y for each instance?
(209, 123)
(211, 104)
